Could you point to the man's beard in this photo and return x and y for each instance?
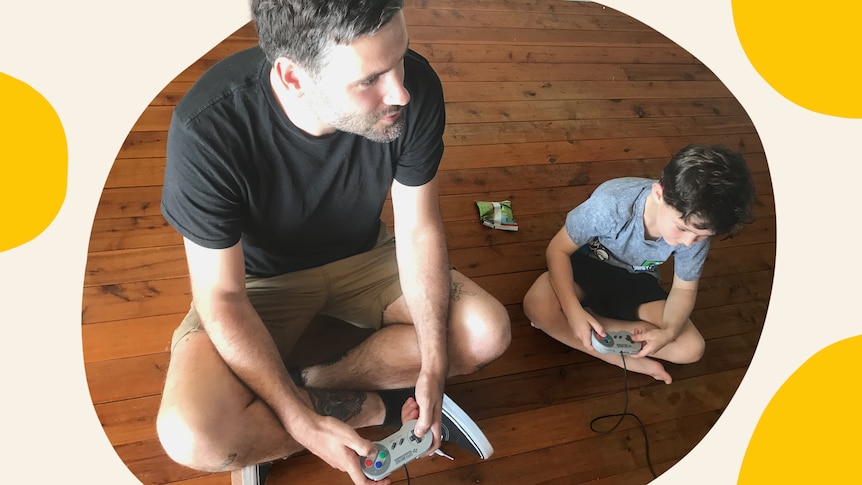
(362, 124)
(366, 125)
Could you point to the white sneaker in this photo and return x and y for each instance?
(458, 428)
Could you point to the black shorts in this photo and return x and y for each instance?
(611, 291)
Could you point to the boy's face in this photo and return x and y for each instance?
(671, 226)
(361, 89)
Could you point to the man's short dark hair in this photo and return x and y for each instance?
(711, 183)
(305, 30)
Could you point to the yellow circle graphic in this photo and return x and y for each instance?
(809, 53)
(810, 430)
(33, 163)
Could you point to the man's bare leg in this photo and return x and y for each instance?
(210, 421)
(479, 332)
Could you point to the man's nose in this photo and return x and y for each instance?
(396, 93)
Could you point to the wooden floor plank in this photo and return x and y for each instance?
(129, 337)
(598, 54)
(465, 16)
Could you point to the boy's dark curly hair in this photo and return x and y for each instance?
(712, 184)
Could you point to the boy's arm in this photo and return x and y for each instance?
(679, 305)
(677, 310)
(558, 255)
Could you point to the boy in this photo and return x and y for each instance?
(606, 258)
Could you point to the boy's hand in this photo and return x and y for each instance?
(582, 323)
(652, 340)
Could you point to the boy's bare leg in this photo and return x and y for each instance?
(479, 332)
(545, 313)
(210, 421)
(688, 347)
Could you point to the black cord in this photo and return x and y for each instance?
(407, 473)
(622, 416)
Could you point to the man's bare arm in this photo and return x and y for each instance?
(242, 340)
(423, 265)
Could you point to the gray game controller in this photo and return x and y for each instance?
(615, 343)
(395, 451)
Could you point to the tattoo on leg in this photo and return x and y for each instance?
(230, 459)
(342, 405)
(457, 290)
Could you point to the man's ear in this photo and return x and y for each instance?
(291, 76)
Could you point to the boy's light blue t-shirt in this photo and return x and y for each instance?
(609, 226)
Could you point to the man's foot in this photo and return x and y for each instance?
(251, 474)
(458, 428)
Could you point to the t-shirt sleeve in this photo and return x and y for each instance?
(200, 195)
(422, 140)
(593, 217)
(688, 261)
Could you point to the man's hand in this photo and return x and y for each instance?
(653, 340)
(339, 446)
(429, 396)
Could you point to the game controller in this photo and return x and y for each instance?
(395, 451)
(615, 343)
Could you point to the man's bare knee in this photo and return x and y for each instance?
(194, 442)
(487, 334)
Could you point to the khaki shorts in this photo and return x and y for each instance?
(356, 290)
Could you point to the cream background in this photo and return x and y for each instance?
(76, 52)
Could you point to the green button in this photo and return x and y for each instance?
(382, 455)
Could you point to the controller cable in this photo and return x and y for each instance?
(438, 451)
(622, 416)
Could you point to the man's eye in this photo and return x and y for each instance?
(369, 81)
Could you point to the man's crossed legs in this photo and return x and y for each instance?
(210, 420)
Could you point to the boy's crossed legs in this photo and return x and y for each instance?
(543, 308)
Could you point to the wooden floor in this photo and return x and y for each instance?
(545, 99)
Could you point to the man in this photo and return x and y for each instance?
(279, 161)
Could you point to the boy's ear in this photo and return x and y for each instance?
(657, 191)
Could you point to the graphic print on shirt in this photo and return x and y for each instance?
(600, 252)
(647, 265)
